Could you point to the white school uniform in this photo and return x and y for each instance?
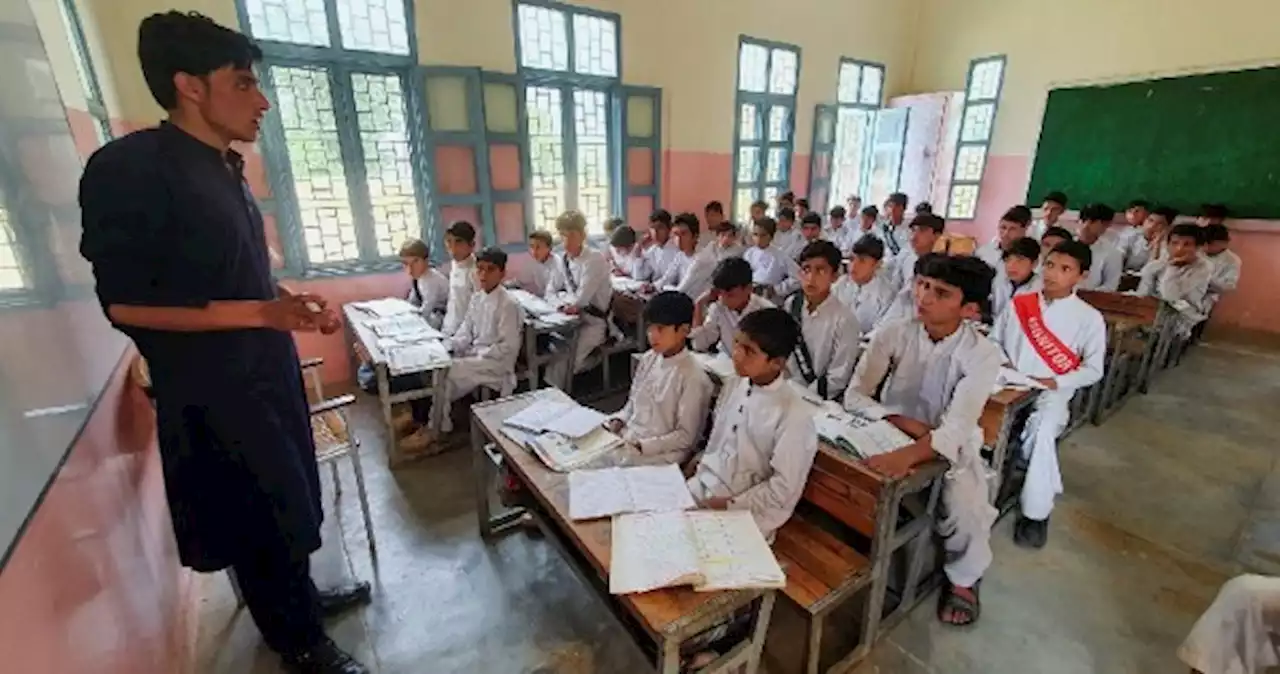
(833, 337)
(760, 451)
(661, 257)
(991, 253)
(902, 269)
(789, 242)
(485, 346)
(632, 265)
(1081, 329)
(667, 407)
(534, 276)
(896, 238)
(1239, 631)
(690, 274)
(868, 301)
(735, 249)
(721, 324)
(462, 283)
(945, 385)
(903, 305)
(1132, 246)
(1106, 269)
(584, 280)
(1226, 275)
(1183, 287)
(1003, 291)
(430, 294)
(771, 268)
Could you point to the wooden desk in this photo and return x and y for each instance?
(1001, 414)
(1123, 365)
(659, 621)
(535, 327)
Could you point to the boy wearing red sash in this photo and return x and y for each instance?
(1059, 340)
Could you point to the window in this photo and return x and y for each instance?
(84, 70)
(859, 93)
(569, 58)
(768, 74)
(342, 158)
(982, 93)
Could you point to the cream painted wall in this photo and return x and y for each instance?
(1052, 43)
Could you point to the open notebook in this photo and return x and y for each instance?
(613, 491)
(711, 550)
(857, 435)
(560, 432)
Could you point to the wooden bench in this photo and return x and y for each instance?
(1134, 329)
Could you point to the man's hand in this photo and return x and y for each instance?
(614, 425)
(329, 322)
(912, 427)
(1048, 382)
(295, 313)
(715, 503)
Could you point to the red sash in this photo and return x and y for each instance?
(1052, 351)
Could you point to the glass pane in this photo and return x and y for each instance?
(295, 21)
(374, 25)
(595, 46)
(500, 108)
(753, 68)
(852, 140)
(964, 201)
(826, 128)
(984, 82)
(976, 127)
(640, 116)
(546, 155)
(847, 90)
(749, 125)
(305, 107)
(591, 122)
(11, 277)
(447, 103)
(748, 164)
(543, 43)
(742, 203)
(783, 72)
(872, 82)
(969, 162)
(776, 170)
(779, 123)
(384, 136)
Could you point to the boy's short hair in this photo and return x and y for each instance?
(1097, 213)
(760, 204)
(1169, 213)
(688, 220)
(924, 207)
(773, 330)
(714, 207)
(1080, 251)
(660, 216)
(1215, 211)
(1216, 232)
(623, 237)
(188, 42)
(1023, 247)
(803, 203)
(811, 218)
(541, 235)
(898, 198)
(970, 274)
(1058, 232)
(415, 248)
(730, 273)
(612, 224)
(669, 307)
(768, 224)
(463, 231)
(838, 212)
(930, 221)
(788, 196)
(869, 246)
(725, 226)
(1189, 231)
(872, 211)
(1018, 214)
(1056, 197)
(571, 221)
(494, 256)
(787, 213)
(820, 249)
(1139, 203)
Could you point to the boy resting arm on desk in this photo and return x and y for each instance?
(428, 288)
(717, 312)
(1181, 278)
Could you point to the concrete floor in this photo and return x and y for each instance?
(1175, 493)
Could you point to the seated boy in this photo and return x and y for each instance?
(535, 274)
(810, 231)
(690, 269)
(1149, 244)
(1135, 220)
(770, 267)
(924, 208)
(659, 249)
(1019, 261)
(1052, 207)
(925, 232)
(836, 231)
(712, 217)
(460, 241)
(727, 242)
(718, 311)
(606, 247)
(670, 392)
(1013, 226)
(627, 260)
(802, 208)
(1108, 261)
(865, 290)
(933, 373)
(759, 209)
(867, 220)
(579, 287)
(1059, 340)
(1181, 278)
(1226, 264)
(829, 335)
(787, 237)
(1050, 239)
(1212, 214)
(428, 288)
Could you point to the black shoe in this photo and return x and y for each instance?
(323, 658)
(1031, 533)
(338, 600)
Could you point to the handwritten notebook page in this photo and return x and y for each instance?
(613, 491)
(652, 551)
(732, 553)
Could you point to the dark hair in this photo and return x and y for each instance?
(923, 208)
(787, 213)
(788, 195)
(1167, 212)
(541, 235)
(1018, 214)
(802, 202)
(192, 43)
(730, 273)
(612, 224)
(1139, 203)
(415, 248)
(688, 220)
(1024, 247)
(1097, 213)
(872, 211)
(1058, 232)
(1215, 211)
(1059, 198)
(462, 231)
(820, 249)
(660, 216)
(713, 207)
(970, 274)
(623, 236)
(1188, 230)
(762, 205)
(768, 224)
(773, 330)
(838, 212)
(725, 226)
(669, 307)
(929, 220)
(811, 218)
(494, 256)
(869, 246)
(898, 198)
(1080, 251)
(1216, 232)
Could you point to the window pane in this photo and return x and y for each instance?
(872, 83)
(305, 106)
(546, 154)
(753, 68)
(296, 21)
(779, 123)
(542, 39)
(749, 125)
(374, 25)
(102, 130)
(384, 135)
(826, 128)
(771, 198)
(847, 90)
(500, 111)
(745, 195)
(964, 201)
(783, 72)
(852, 138)
(640, 116)
(748, 164)
(977, 123)
(969, 162)
(776, 170)
(11, 277)
(591, 122)
(984, 83)
(595, 46)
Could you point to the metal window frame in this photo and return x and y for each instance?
(984, 144)
(94, 101)
(763, 101)
(626, 142)
(835, 109)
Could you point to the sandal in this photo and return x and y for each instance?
(964, 611)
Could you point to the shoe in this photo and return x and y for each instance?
(1030, 533)
(323, 658)
(338, 600)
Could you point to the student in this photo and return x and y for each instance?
(762, 439)
(606, 247)
(712, 216)
(1013, 226)
(836, 232)
(535, 274)
(1237, 634)
(802, 208)
(853, 203)
(867, 221)
(1150, 244)
(924, 208)
(810, 230)
(1108, 261)
(1018, 274)
(727, 243)
(460, 241)
(428, 288)
(1052, 207)
(1181, 278)
(717, 312)
(770, 267)
(829, 334)
(690, 271)
(1059, 340)
(1050, 240)
(759, 209)
(670, 392)
(786, 200)
(627, 260)
(787, 237)
(660, 250)
(1135, 216)
(865, 290)
(1212, 214)
(579, 287)
(930, 375)
(1226, 264)
(894, 230)
(925, 231)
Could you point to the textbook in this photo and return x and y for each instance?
(711, 550)
(859, 436)
(614, 491)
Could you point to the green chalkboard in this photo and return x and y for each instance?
(1182, 141)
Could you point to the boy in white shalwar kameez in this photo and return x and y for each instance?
(1108, 261)
(717, 312)
(1013, 226)
(535, 274)
(1226, 264)
(460, 241)
(1052, 207)
(627, 259)
(865, 290)
(1019, 265)
(787, 237)
(829, 335)
(580, 286)
(1239, 632)
(657, 246)
(690, 269)
(934, 372)
(771, 268)
(428, 288)
(663, 418)
(1059, 340)
(1181, 278)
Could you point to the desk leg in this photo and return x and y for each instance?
(531, 359)
(440, 403)
(670, 663)
(384, 399)
(1000, 453)
(758, 634)
(483, 471)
